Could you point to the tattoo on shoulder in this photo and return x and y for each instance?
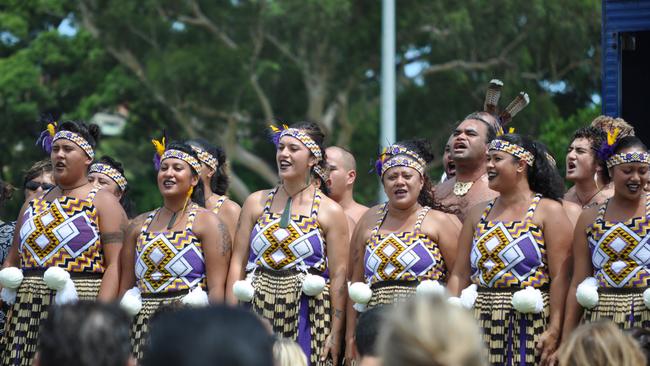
(114, 237)
(226, 241)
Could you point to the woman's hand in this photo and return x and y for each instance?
(332, 349)
(547, 345)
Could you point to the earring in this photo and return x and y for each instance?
(596, 179)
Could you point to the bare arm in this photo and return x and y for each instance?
(127, 254)
(250, 212)
(557, 230)
(334, 223)
(112, 224)
(461, 272)
(215, 241)
(13, 257)
(444, 230)
(229, 214)
(582, 268)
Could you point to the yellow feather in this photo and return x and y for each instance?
(274, 129)
(511, 130)
(611, 136)
(51, 128)
(285, 127)
(159, 145)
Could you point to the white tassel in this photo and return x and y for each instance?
(453, 300)
(196, 297)
(360, 292)
(243, 289)
(11, 277)
(66, 295)
(360, 308)
(8, 296)
(56, 278)
(430, 288)
(528, 301)
(313, 285)
(468, 296)
(587, 293)
(646, 298)
(132, 301)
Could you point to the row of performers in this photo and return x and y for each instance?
(295, 261)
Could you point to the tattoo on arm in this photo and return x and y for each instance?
(114, 237)
(226, 241)
(338, 313)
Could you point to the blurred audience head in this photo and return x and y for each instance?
(85, 334)
(366, 333)
(427, 331)
(218, 335)
(38, 179)
(287, 352)
(600, 344)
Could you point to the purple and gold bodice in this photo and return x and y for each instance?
(62, 233)
(299, 245)
(169, 261)
(620, 252)
(509, 254)
(403, 256)
(218, 204)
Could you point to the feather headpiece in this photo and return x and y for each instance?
(159, 145)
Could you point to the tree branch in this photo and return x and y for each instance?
(199, 19)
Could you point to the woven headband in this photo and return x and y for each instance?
(305, 139)
(512, 149)
(77, 139)
(322, 173)
(396, 155)
(110, 172)
(177, 154)
(206, 158)
(631, 157)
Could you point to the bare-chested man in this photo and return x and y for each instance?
(469, 152)
(343, 173)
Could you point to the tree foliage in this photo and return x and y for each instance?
(224, 70)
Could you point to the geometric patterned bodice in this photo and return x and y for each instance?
(620, 252)
(509, 254)
(62, 233)
(169, 261)
(403, 256)
(299, 245)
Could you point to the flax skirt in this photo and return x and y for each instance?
(294, 315)
(391, 292)
(509, 335)
(152, 306)
(33, 300)
(625, 307)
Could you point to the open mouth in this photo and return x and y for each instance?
(570, 166)
(460, 145)
(59, 165)
(633, 187)
(400, 192)
(451, 168)
(491, 175)
(284, 164)
(168, 183)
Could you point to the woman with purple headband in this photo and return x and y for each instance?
(291, 250)
(403, 246)
(514, 250)
(68, 242)
(175, 254)
(611, 249)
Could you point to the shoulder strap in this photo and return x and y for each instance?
(92, 194)
(647, 204)
(487, 210)
(219, 203)
(382, 215)
(421, 215)
(269, 199)
(602, 209)
(148, 221)
(533, 206)
(191, 217)
(315, 204)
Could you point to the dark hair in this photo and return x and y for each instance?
(491, 129)
(625, 143)
(6, 191)
(367, 330)
(218, 335)
(37, 169)
(198, 195)
(423, 148)
(89, 132)
(323, 184)
(642, 337)
(125, 201)
(543, 177)
(85, 333)
(596, 136)
(316, 134)
(220, 179)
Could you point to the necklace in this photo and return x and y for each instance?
(286, 213)
(70, 189)
(587, 205)
(461, 188)
(172, 220)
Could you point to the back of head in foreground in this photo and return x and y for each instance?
(600, 344)
(210, 336)
(425, 331)
(85, 334)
